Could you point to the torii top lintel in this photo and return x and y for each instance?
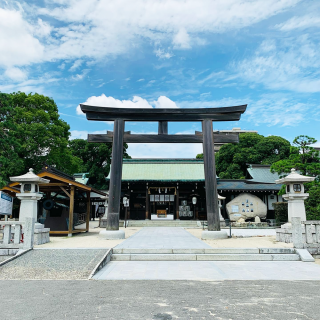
(163, 114)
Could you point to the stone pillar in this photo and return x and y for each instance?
(297, 236)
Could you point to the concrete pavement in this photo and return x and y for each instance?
(160, 300)
(163, 238)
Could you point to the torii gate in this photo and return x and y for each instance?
(162, 116)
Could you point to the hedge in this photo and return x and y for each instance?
(280, 212)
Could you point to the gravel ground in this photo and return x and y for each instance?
(160, 300)
(3, 258)
(68, 264)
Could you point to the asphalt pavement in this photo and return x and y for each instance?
(159, 300)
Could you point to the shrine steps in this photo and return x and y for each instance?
(166, 223)
(214, 254)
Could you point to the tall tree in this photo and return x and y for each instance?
(306, 159)
(232, 159)
(31, 133)
(96, 159)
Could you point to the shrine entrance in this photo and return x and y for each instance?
(207, 137)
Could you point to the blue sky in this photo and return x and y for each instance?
(204, 53)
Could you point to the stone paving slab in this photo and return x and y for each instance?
(160, 300)
(56, 264)
(209, 270)
(163, 238)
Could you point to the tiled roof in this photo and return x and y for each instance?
(262, 173)
(162, 169)
(245, 185)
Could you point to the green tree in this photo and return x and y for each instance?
(96, 159)
(232, 159)
(306, 159)
(31, 134)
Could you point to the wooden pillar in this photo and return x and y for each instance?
(88, 211)
(163, 127)
(147, 204)
(177, 204)
(115, 176)
(210, 177)
(71, 208)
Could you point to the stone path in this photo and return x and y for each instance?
(163, 238)
(209, 270)
(55, 264)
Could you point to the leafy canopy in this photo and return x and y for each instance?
(31, 134)
(306, 159)
(232, 159)
(96, 159)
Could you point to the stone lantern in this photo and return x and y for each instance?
(220, 198)
(295, 194)
(103, 220)
(29, 194)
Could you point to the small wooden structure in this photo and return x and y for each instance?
(162, 115)
(61, 183)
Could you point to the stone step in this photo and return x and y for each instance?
(167, 223)
(205, 257)
(205, 251)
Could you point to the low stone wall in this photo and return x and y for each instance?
(41, 236)
(285, 234)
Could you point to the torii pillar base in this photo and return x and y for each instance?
(112, 234)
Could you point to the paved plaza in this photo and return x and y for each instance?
(163, 238)
(160, 300)
(178, 238)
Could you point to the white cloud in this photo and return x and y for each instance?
(303, 22)
(278, 110)
(164, 102)
(16, 74)
(18, 46)
(98, 29)
(76, 65)
(136, 102)
(161, 54)
(140, 80)
(80, 76)
(181, 40)
(291, 64)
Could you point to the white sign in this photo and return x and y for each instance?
(6, 202)
(235, 208)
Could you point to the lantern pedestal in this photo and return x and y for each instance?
(296, 206)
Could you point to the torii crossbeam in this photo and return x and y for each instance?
(162, 116)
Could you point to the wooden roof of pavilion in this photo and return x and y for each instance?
(58, 181)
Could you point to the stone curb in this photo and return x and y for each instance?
(205, 257)
(103, 262)
(22, 252)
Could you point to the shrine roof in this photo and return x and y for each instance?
(162, 169)
(262, 173)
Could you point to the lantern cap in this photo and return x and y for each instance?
(294, 177)
(29, 177)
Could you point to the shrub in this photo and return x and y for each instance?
(280, 212)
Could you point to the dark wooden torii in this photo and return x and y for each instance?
(162, 116)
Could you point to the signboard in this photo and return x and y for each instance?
(6, 202)
(235, 208)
